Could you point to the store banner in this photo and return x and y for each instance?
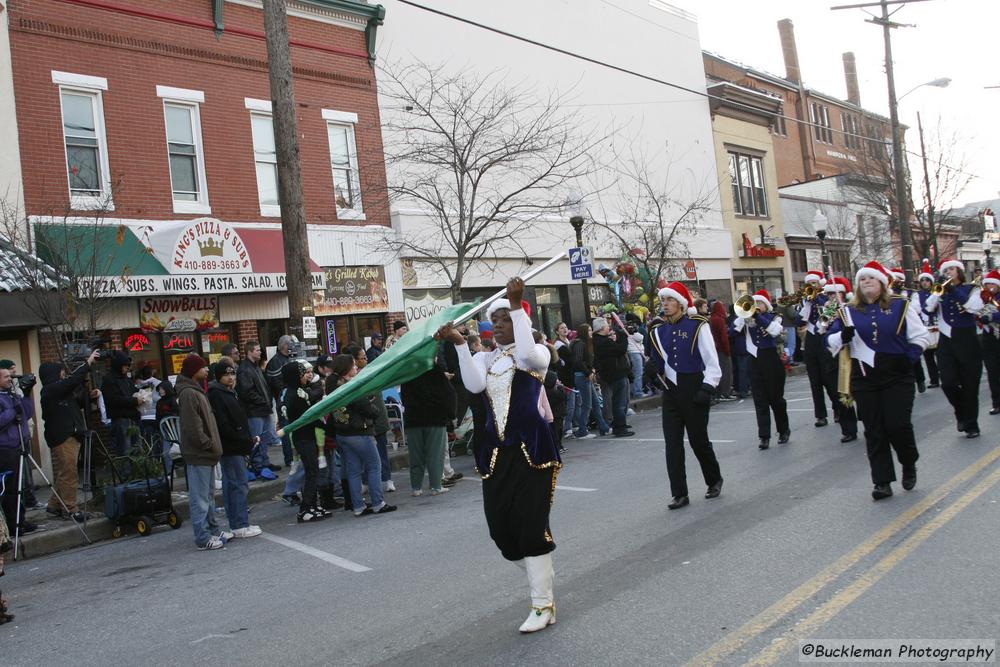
(352, 290)
(179, 314)
(421, 304)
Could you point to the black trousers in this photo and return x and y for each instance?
(884, 395)
(681, 414)
(932, 368)
(10, 460)
(817, 367)
(846, 416)
(305, 444)
(516, 501)
(767, 382)
(991, 360)
(960, 361)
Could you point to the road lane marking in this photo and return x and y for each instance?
(806, 590)
(836, 604)
(322, 555)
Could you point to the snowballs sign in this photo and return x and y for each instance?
(210, 246)
(181, 313)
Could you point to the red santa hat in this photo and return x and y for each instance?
(925, 271)
(950, 263)
(679, 293)
(504, 304)
(839, 284)
(873, 270)
(816, 276)
(992, 278)
(761, 296)
(897, 273)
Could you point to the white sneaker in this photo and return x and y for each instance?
(249, 531)
(389, 486)
(226, 535)
(568, 433)
(630, 412)
(586, 437)
(212, 544)
(218, 485)
(443, 489)
(322, 462)
(417, 493)
(292, 469)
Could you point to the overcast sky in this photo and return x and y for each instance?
(952, 38)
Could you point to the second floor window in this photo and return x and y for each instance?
(852, 138)
(344, 163)
(266, 163)
(819, 114)
(746, 174)
(84, 140)
(186, 158)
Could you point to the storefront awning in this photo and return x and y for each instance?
(140, 258)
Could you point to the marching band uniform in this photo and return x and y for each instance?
(846, 415)
(989, 339)
(883, 344)
(959, 356)
(689, 369)
(816, 358)
(897, 285)
(516, 455)
(767, 373)
(930, 321)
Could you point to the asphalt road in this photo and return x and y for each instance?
(795, 549)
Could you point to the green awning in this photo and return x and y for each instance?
(95, 250)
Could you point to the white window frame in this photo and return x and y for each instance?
(349, 121)
(190, 99)
(92, 86)
(260, 108)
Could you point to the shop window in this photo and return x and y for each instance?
(144, 348)
(84, 140)
(212, 343)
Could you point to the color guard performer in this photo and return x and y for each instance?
(817, 359)
(767, 373)
(989, 337)
(884, 336)
(838, 291)
(514, 448)
(689, 371)
(959, 356)
(926, 280)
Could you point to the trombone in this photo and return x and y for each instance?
(808, 292)
(939, 288)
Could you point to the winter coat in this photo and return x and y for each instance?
(611, 356)
(720, 330)
(253, 390)
(582, 361)
(275, 380)
(428, 400)
(62, 402)
(119, 396)
(15, 411)
(231, 419)
(382, 421)
(297, 399)
(200, 441)
(565, 370)
(557, 397)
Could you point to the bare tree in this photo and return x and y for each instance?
(482, 159)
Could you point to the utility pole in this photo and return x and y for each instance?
(927, 187)
(298, 278)
(899, 166)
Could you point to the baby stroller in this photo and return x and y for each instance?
(139, 499)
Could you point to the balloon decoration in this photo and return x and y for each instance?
(633, 288)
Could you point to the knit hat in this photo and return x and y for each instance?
(6, 364)
(762, 296)
(680, 294)
(816, 276)
(925, 271)
(992, 278)
(293, 371)
(220, 367)
(504, 304)
(873, 270)
(397, 325)
(191, 365)
(950, 263)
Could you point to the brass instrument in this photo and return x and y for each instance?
(844, 368)
(745, 307)
(808, 292)
(939, 288)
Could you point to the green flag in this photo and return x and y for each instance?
(409, 357)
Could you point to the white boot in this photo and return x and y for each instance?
(543, 608)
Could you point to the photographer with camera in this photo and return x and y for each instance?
(63, 403)
(30, 502)
(16, 408)
(122, 404)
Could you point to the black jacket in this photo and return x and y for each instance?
(556, 396)
(275, 380)
(428, 400)
(565, 370)
(582, 363)
(611, 356)
(119, 401)
(231, 418)
(253, 390)
(62, 402)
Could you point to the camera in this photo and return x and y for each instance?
(80, 351)
(26, 381)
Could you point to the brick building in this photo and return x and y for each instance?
(149, 169)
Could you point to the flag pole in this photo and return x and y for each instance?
(503, 292)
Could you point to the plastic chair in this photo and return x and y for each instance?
(170, 434)
(394, 410)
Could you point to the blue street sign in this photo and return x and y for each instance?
(581, 263)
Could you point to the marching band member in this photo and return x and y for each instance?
(989, 339)
(817, 359)
(689, 370)
(926, 279)
(839, 290)
(897, 286)
(767, 373)
(959, 356)
(884, 336)
(514, 448)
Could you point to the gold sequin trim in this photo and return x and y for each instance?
(554, 465)
(493, 463)
(902, 320)
(548, 536)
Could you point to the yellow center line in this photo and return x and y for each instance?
(838, 602)
(786, 605)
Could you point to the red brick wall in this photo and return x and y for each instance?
(136, 54)
(246, 330)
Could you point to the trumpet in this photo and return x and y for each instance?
(808, 292)
(939, 288)
(745, 307)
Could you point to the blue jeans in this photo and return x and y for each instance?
(619, 405)
(121, 442)
(234, 490)
(383, 455)
(263, 427)
(572, 407)
(790, 343)
(201, 503)
(293, 483)
(588, 408)
(361, 454)
(741, 367)
(636, 359)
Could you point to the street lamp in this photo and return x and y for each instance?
(820, 223)
(577, 209)
(943, 82)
